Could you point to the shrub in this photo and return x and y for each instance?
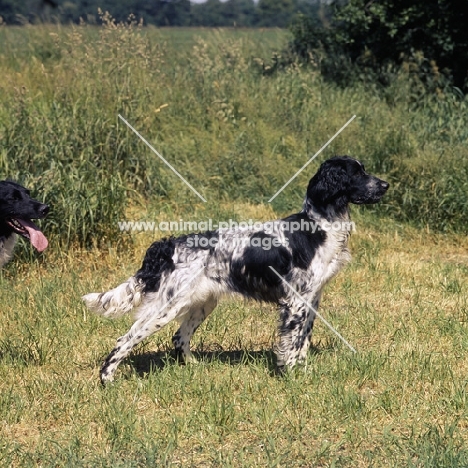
(370, 38)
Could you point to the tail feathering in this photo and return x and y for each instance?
(116, 302)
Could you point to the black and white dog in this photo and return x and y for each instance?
(17, 209)
(183, 278)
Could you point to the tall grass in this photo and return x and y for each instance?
(232, 131)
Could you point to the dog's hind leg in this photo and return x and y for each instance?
(189, 324)
(151, 320)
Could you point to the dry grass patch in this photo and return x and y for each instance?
(400, 401)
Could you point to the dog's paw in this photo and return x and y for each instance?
(106, 380)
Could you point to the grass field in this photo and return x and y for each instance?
(237, 133)
(401, 400)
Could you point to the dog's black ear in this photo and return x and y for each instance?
(330, 185)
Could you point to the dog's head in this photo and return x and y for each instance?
(342, 180)
(17, 209)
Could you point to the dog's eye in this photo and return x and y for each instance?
(17, 195)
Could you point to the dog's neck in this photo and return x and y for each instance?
(329, 212)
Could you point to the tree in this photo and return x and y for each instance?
(277, 13)
(375, 33)
(209, 13)
(10, 11)
(239, 12)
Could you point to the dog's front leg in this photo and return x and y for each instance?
(295, 330)
(308, 327)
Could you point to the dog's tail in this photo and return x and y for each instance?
(122, 299)
(118, 301)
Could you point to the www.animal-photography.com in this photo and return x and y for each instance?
(233, 234)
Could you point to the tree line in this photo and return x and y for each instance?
(211, 13)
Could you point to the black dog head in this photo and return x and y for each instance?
(17, 209)
(342, 180)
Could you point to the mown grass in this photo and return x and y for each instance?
(401, 400)
(237, 131)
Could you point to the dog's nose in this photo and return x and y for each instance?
(44, 209)
(384, 185)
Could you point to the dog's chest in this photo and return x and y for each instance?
(7, 244)
(331, 257)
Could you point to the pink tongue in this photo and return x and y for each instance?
(38, 240)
